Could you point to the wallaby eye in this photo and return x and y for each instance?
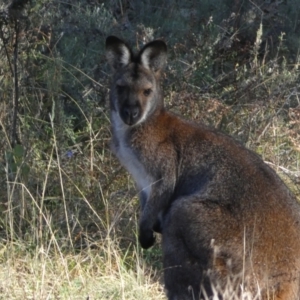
(147, 92)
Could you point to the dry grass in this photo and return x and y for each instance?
(45, 274)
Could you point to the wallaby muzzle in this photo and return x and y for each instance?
(130, 114)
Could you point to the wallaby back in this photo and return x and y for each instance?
(221, 210)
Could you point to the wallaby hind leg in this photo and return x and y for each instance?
(183, 275)
(191, 261)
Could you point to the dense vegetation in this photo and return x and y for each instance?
(68, 210)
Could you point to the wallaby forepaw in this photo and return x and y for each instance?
(147, 239)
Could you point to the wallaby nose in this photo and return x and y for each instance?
(130, 114)
(131, 111)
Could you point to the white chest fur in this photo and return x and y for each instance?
(127, 158)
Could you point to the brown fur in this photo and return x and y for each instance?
(221, 210)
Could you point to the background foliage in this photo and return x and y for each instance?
(68, 210)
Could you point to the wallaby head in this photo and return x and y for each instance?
(135, 90)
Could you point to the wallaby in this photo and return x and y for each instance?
(221, 210)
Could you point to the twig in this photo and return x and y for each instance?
(14, 137)
(5, 48)
(284, 170)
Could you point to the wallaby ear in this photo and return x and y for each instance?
(154, 55)
(118, 54)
